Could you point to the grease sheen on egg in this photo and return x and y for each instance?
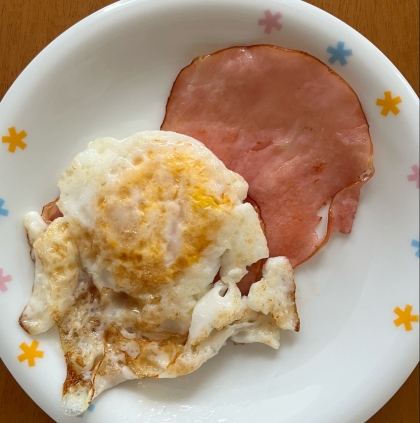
(128, 273)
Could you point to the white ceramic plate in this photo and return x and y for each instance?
(110, 75)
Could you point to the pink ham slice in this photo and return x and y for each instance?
(290, 126)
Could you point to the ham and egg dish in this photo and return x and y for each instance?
(163, 245)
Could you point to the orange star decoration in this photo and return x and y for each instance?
(389, 104)
(30, 353)
(405, 317)
(14, 139)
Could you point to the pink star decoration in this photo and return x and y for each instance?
(270, 21)
(3, 280)
(414, 177)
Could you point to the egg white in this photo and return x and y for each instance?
(128, 273)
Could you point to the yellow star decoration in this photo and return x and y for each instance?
(405, 317)
(14, 139)
(30, 353)
(389, 104)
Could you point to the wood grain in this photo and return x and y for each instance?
(27, 26)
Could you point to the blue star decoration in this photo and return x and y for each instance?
(339, 53)
(90, 408)
(3, 212)
(415, 244)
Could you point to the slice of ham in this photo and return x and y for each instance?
(290, 126)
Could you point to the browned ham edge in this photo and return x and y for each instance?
(50, 212)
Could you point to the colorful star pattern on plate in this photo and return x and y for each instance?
(405, 317)
(389, 104)
(3, 280)
(339, 53)
(30, 353)
(3, 211)
(414, 177)
(90, 408)
(271, 21)
(14, 139)
(415, 244)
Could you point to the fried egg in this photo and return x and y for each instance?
(140, 273)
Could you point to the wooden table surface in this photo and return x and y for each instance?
(27, 26)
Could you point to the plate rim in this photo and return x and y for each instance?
(122, 5)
